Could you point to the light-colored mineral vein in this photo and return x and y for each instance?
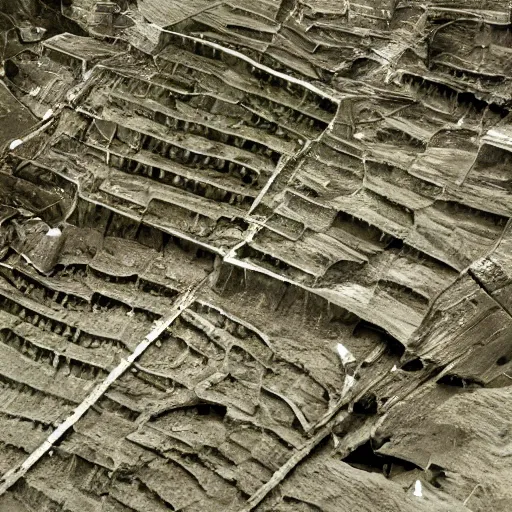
(269, 183)
(292, 463)
(13, 475)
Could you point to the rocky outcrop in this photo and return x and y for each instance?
(256, 258)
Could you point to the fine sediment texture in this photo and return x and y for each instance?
(302, 208)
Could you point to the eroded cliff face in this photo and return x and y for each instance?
(255, 257)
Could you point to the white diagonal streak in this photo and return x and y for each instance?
(13, 475)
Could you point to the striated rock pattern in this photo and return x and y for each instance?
(255, 256)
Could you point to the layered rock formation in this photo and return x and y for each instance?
(255, 256)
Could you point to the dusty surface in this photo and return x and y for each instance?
(255, 256)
